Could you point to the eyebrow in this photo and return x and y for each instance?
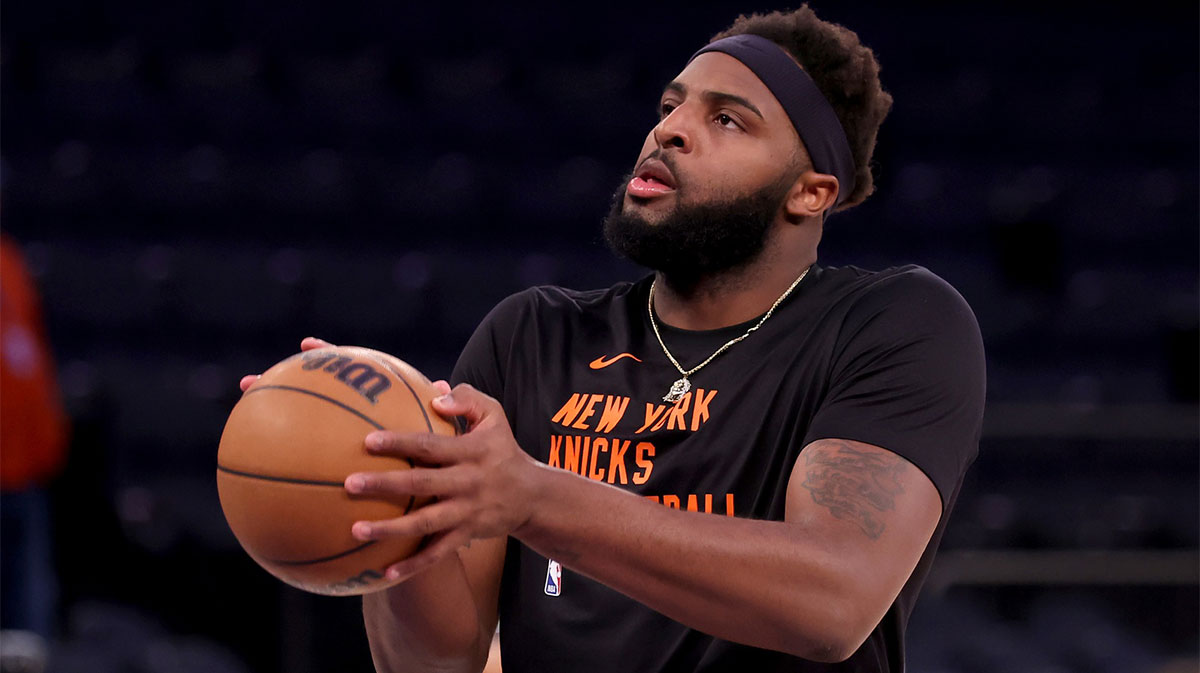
(716, 97)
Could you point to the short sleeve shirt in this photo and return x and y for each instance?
(891, 358)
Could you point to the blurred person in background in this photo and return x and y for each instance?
(33, 441)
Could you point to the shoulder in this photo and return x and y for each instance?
(909, 283)
(909, 295)
(553, 297)
(552, 300)
(908, 370)
(910, 323)
(523, 325)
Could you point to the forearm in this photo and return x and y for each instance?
(428, 623)
(769, 584)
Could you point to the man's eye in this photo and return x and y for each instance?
(665, 109)
(725, 120)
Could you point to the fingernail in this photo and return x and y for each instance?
(392, 573)
(374, 441)
(355, 483)
(444, 399)
(361, 530)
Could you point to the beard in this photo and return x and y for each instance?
(694, 242)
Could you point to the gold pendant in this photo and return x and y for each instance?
(678, 390)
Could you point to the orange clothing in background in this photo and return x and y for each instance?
(33, 426)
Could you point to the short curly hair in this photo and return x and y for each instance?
(844, 69)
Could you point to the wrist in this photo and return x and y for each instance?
(533, 486)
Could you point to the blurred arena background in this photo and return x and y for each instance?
(198, 186)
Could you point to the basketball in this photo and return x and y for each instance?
(287, 448)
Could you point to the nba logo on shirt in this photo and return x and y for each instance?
(553, 578)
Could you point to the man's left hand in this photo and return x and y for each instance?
(482, 481)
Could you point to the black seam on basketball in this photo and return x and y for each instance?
(286, 480)
(324, 559)
(327, 398)
(420, 405)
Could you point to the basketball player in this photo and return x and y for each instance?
(743, 462)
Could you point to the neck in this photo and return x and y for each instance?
(728, 299)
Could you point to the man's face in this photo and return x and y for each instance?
(711, 176)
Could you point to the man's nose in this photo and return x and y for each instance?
(673, 131)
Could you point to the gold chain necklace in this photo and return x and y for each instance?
(683, 385)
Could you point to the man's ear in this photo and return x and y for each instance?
(811, 195)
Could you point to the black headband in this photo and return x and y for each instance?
(811, 114)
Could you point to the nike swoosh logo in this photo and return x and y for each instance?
(601, 362)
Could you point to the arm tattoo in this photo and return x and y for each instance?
(854, 485)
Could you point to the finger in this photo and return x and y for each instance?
(441, 387)
(424, 447)
(248, 380)
(429, 520)
(420, 481)
(466, 401)
(313, 343)
(436, 548)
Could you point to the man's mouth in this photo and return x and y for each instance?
(651, 179)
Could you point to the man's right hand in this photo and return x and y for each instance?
(442, 620)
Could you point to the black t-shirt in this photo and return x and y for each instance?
(890, 358)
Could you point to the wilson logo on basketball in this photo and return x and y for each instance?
(360, 376)
(602, 362)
